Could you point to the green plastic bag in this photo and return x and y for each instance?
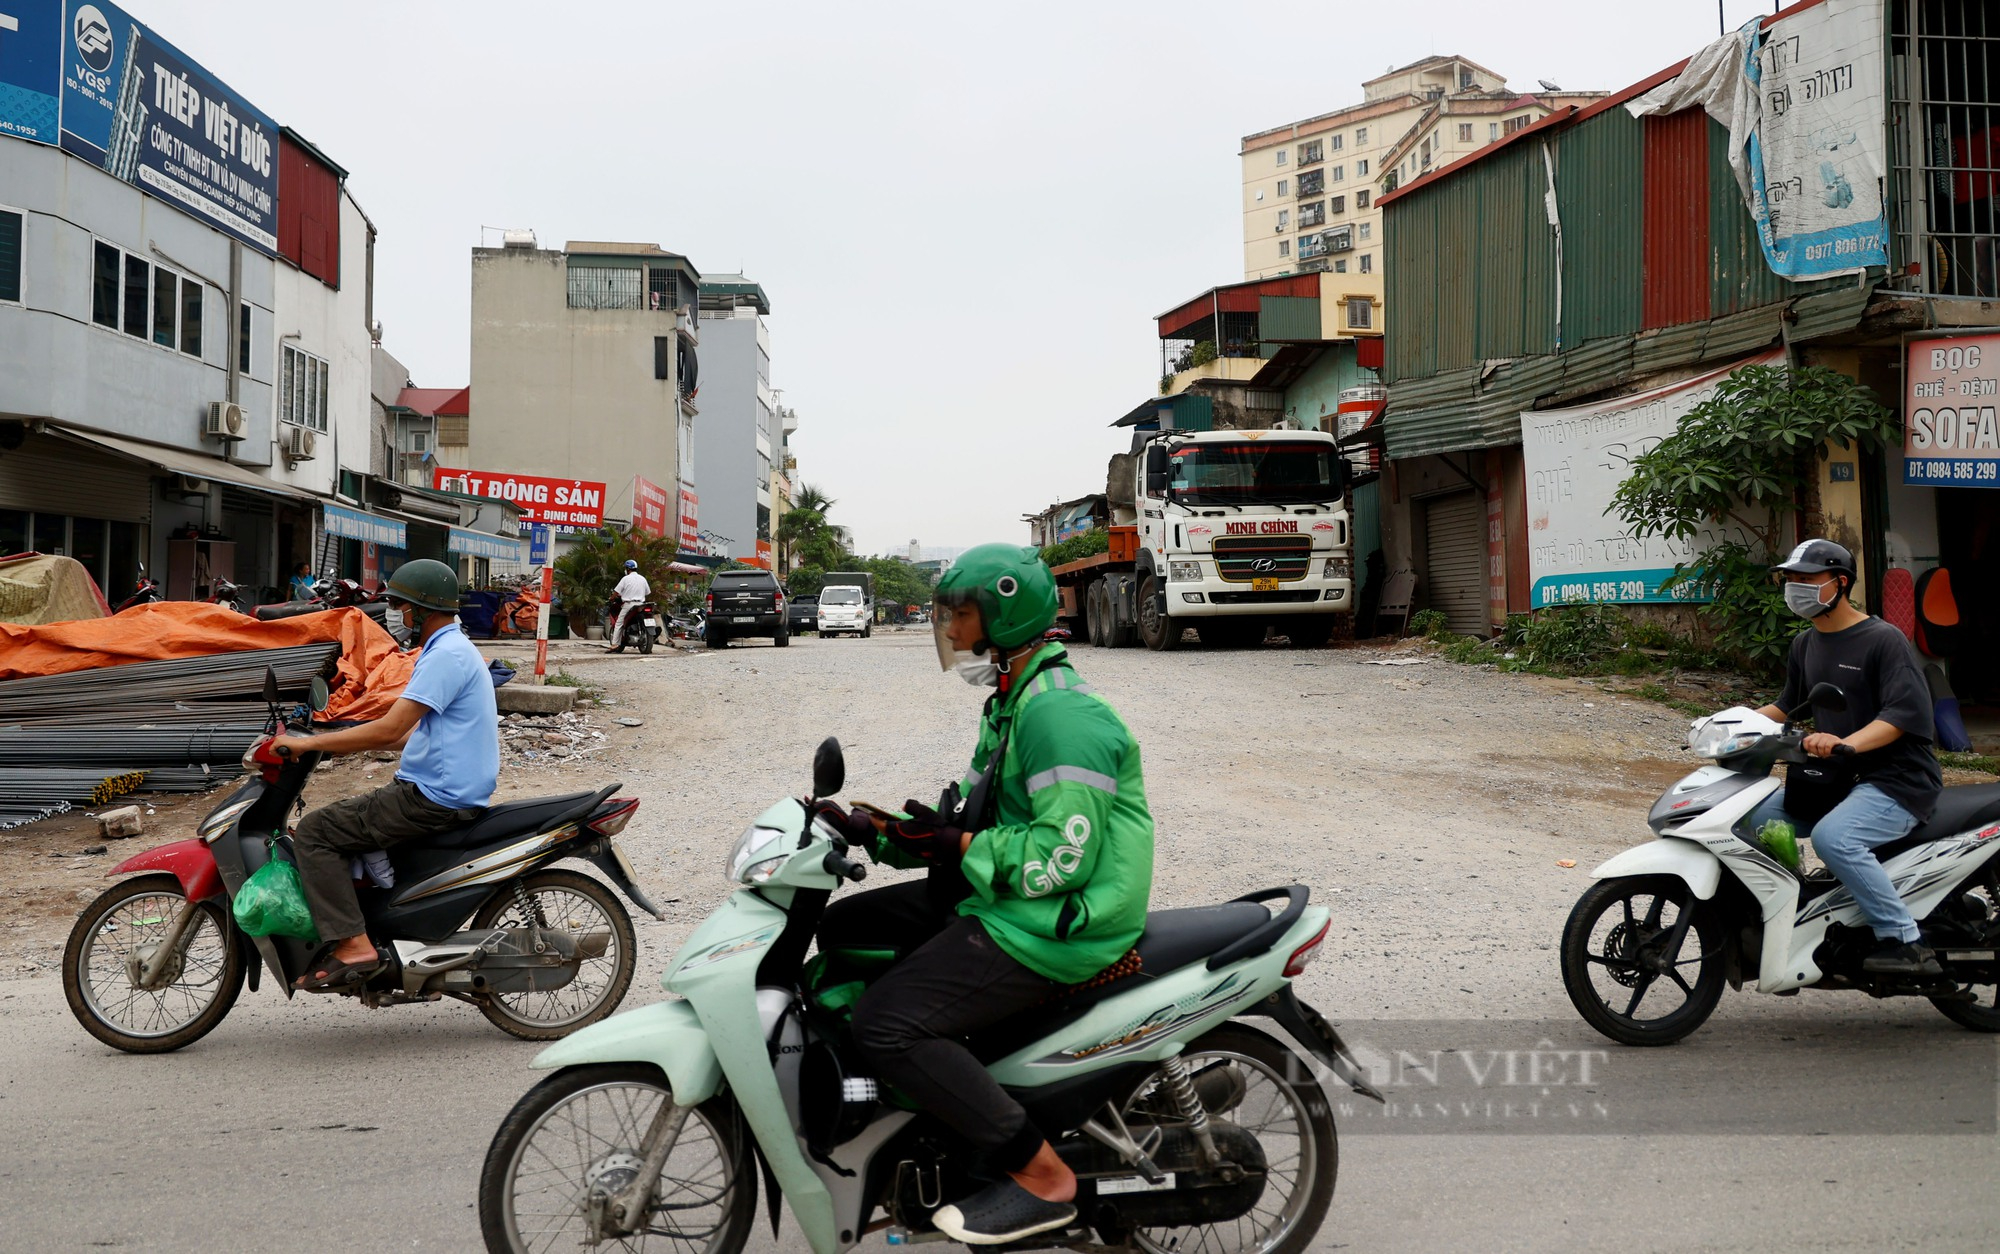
(1781, 841)
(273, 903)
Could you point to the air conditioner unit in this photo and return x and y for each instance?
(299, 442)
(190, 485)
(225, 421)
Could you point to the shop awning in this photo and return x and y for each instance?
(181, 462)
(483, 544)
(353, 524)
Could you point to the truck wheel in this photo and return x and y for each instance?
(716, 640)
(1160, 632)
(1096, 629)
(782, 639)
(1310, 632)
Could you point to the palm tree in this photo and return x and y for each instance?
(810, 497)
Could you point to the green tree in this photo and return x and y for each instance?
(896, 581)
(592, 567)
(1749, 455)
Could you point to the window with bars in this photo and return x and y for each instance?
(302, 389)
(1360, 313)
(606, 287)
(1944, 97)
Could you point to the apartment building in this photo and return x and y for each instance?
(740, 436)
(1310, 187)
(585, 371)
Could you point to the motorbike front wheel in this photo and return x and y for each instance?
(645, 639)
(1628, 952)
(579, 1136)
(112, 941)
(595, 919)
(1251, 1080)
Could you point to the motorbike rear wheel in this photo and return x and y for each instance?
(584, 1126)
(1609, 947)
(645, 638)
(117, 932)
(1281, 1104)
(579, 905)
(1982, 1015)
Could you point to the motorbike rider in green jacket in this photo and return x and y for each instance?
(1040, 868)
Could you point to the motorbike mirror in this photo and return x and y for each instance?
(1825, 695)
(829, 768)
(319, 693)
(270, 686)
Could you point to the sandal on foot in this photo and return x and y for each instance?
(330, 974)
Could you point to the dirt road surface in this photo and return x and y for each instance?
(1430, 805)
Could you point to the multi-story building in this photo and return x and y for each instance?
(1310, 187)
(584, 370)
(184, 343)
(739, 438)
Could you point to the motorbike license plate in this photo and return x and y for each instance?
(1133, 1184)
(652, 622)
(624, 863)
(744, 618)
(1263, 585)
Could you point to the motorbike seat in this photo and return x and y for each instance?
(1173, 939)
(1958, 810)
(512, 818)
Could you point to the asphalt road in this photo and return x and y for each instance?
(1429, 804)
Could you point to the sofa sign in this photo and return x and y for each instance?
(1951, 412)
(563, 502)
(136, 106)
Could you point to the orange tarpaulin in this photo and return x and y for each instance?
(372, 669)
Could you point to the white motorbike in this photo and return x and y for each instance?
(1648, 948)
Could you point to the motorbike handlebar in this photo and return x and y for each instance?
(1843, 751)
(840, 867)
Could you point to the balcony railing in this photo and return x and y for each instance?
(1311, 183)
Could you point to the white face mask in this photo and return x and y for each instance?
(980, 672)
(1803, 599)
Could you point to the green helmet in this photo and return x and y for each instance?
(1011, 585)
(427, 584)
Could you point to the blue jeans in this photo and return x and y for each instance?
(1845, 840)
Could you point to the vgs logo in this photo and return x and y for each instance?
(93, 38)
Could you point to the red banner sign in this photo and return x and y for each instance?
(651, 507)
(565, 502)
(690, 529)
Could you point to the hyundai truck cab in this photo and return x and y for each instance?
(844, 608)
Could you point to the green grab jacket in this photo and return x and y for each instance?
(1062, 877)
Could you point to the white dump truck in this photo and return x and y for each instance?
(1233, 533)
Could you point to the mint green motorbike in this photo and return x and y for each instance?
(1188, 1128)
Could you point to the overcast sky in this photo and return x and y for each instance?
(965, 216)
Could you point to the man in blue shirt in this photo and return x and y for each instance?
(446, 724)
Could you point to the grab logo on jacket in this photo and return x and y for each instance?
(1039, 880)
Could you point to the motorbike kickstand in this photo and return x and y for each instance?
(1118, 1138)
(661, 1137)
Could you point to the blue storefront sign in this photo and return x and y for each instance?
(538, 544)
(30, 68)
(482, 544)
(137, 106)
(352, 524)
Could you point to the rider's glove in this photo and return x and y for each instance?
(925, 835)
(855, 825)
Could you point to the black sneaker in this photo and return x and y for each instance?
(1000, 1213)
(1902, 958)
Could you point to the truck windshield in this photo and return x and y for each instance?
(1262, 472)
(840, 596)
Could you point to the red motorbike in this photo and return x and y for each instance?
(479, 913)
(145, 594)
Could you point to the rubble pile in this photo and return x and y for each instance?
(548, 740)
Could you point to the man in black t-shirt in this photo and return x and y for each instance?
(1887, 723)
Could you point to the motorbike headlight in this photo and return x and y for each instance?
(1183, 572)
(755, 858)
(1340, 568)
(1713, 739)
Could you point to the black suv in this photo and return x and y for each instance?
(746, 603)
(802, 613)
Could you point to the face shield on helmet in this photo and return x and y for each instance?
(943, 610)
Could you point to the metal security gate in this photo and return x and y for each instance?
(1944, 76)
(1455, 560)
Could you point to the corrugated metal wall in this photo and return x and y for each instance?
(1599, 173)
(1288, 318)
(1678, 207)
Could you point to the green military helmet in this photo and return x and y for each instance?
(1011, 585)
(427, 584)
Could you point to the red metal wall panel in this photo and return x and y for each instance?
(1236, 298)
(1675, 278)
(308, 213)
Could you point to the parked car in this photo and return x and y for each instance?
(802, 614)
(745, 603)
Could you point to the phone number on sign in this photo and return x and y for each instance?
(1596, 590)
(1940, 470)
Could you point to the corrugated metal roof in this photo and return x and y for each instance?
(431, 402)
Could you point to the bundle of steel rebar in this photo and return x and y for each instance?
(143, 715)
(188, 778)
(219, 675)
(12, 815)
(129, 747)
(42, 787)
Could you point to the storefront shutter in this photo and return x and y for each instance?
(55, 476)
(1455, 560)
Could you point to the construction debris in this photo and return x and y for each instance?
(121, 823)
